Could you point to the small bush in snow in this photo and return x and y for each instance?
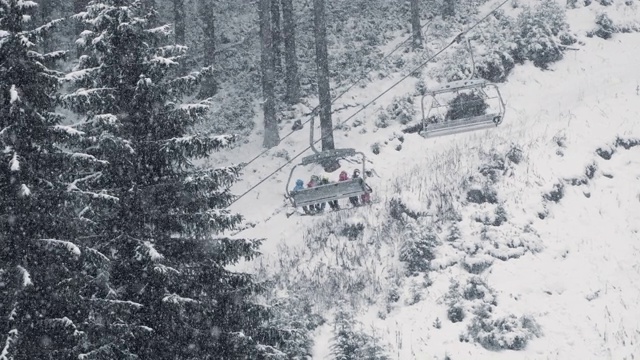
(606, 2)
(382, 121)
(421, 87)
(349, 341)
(515, 154)
(556, 194)
(466, 105)
(375, 148)
(542, 34)
(481, 196)
(605, 28)
(401, 109)
(417, 249)
(352, 231)
(509, 332)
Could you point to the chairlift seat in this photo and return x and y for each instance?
(457, 85)
(327, 155)
(462, 125)
(329, 192)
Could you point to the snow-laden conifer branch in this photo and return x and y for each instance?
(84, 100)
(213, 178)
(67, 245)
(82, 74)
(26, 277)
(146, 248)
(42, 30)
(196, 146)
(9, 345)
(178, 300)
(224, 246)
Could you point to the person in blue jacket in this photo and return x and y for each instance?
(300, 186)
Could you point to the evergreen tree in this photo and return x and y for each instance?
(163, 236)
(350, 342)
(48, 272)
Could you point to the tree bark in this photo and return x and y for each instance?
(415, 24)
(322, 63)
(209, 86)
(179, 21)
(276, 34)
(290, 58)
(271, 136)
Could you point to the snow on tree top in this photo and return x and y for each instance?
(24, 190)
(14, 164)
(26, 277)
(13, 94)
(68, 129)
(71, 247)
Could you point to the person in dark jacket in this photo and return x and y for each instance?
(345, 177)
(333, 204)
(366, 197)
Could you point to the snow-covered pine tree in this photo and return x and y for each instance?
(163, 237)
(47, 271)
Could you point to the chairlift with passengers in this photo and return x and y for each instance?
(463, 105)
(324, 193)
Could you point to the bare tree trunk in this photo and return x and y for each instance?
(207, 14)
(276, 34)
(415, 24)
(271, 136)
(322, 62)
(448, 8)
(290, 58)
(179, 21)
(180, 30)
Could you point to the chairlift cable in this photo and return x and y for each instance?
(456, 39)
(316, 109)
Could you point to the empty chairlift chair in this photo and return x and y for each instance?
(475, 105)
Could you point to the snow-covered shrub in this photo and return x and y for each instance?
(606, 2)
(481, 195)
(382, 120)
(556, 194)
(375, 148)
(605, 28)
(349, 340)
(352, 230)
(402, 109)
(508, 332)
(421, 87)
(417, 249)
(466, 105)
(291, 325)
(542, 34)
(515, 154)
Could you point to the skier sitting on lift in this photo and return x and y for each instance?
(315, 181)
(366, 197)
(299, 187)
(333, 203)
(345, 177)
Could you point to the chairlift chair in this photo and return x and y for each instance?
(485, 89)
(327, 192)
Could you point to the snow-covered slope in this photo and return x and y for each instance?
(565, 252)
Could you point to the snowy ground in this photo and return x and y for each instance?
(577, 276)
